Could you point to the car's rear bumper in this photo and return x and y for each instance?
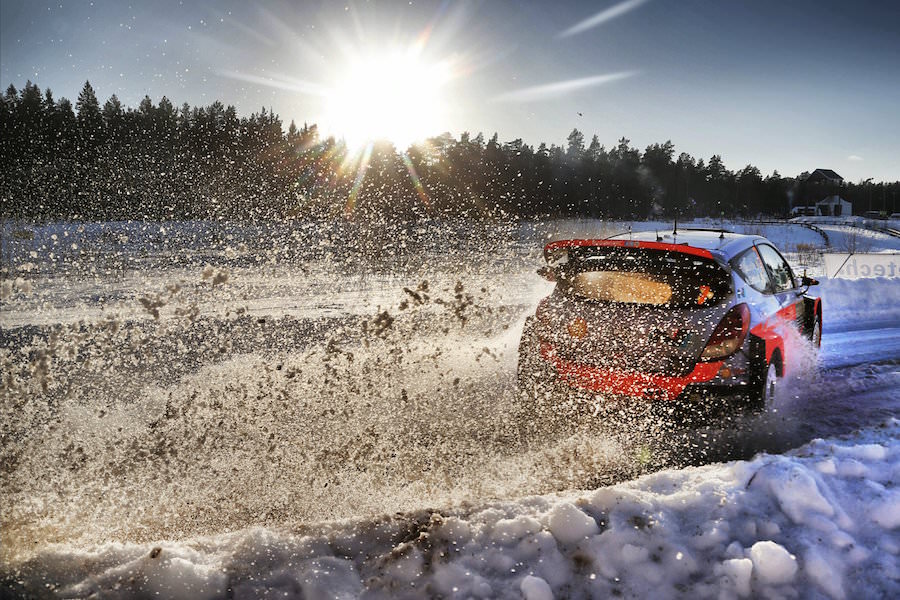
(615, 383)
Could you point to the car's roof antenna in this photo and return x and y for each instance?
(722, 233)
(675, 227)
(658, 237)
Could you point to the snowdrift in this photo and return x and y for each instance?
(860, 303)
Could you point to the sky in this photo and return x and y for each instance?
(791, 86)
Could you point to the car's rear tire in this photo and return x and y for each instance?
(764, 386)
(815, 334)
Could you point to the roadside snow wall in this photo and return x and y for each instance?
(858, 303)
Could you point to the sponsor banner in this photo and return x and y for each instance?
(841, 265)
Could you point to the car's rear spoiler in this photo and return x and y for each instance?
(553, 249)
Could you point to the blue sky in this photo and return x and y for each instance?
(783, 85)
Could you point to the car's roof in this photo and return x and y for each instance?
(724, 243)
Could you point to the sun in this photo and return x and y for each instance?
(393, 95)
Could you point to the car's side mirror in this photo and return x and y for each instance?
(808, 281)
(548, 273)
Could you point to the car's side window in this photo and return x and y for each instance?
(782, 277)
(751, 269)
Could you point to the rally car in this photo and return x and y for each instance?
(679, 318)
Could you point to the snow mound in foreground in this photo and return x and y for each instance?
(820, 521)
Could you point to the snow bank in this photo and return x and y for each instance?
(858, 303)
(821, 521)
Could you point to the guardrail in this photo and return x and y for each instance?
(807, 225)
(819, 231)
(865, 224)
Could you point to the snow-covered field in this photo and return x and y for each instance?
(253, 413)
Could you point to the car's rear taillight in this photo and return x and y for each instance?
(729, 334)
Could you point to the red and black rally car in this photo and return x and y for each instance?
(682, 317)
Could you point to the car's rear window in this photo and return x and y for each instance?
(643, 276)
(613, 286)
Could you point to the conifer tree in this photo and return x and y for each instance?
(575, 144)
(87, 107)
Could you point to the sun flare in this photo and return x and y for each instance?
(394, 95)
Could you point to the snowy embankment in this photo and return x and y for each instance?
(820, 521)
(849, 304)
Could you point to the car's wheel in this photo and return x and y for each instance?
(815, 335)
(765, 387)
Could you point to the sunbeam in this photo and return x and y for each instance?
(360, 177)
(414, 176)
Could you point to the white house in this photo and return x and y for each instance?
(834, 206)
